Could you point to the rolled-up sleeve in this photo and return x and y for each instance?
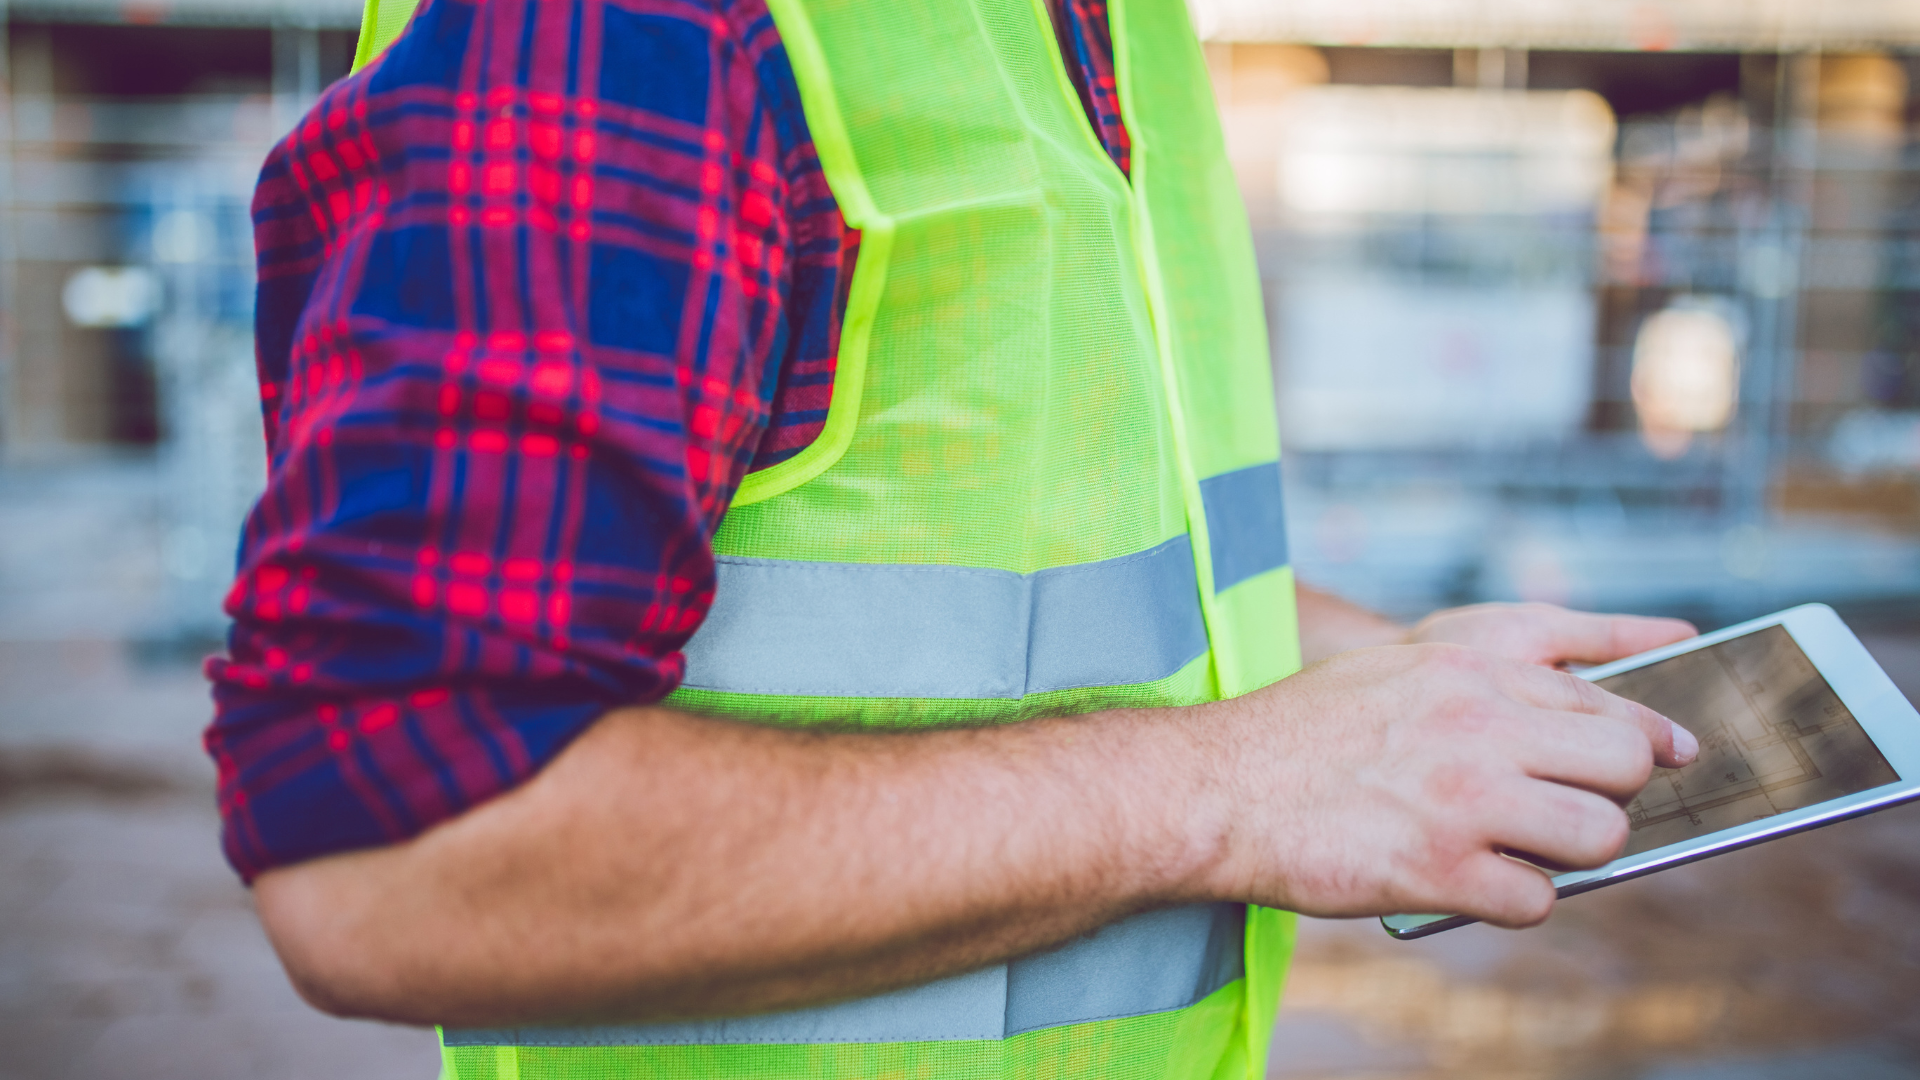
(522, 318)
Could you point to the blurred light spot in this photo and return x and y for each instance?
(1685, 377)
(1862, 95)
(1372, 149)
(110, 296)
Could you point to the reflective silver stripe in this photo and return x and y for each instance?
(781, 626)
(1150, 963)
(1246, 523)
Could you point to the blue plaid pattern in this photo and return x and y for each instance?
(536, 288)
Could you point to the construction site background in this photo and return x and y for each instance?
(1616, 306)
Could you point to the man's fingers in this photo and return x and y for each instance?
(1554, 825)
(1503, 891)
(1574, 829)
(1673, 745)
(1609, 759)
(1598, 639)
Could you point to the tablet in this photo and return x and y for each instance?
(1798, 728)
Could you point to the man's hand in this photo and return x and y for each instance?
(1397, 779)
(1547, 634)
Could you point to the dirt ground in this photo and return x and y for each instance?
(128, 950)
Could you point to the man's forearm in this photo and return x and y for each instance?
(1330, 625)
(668, 865)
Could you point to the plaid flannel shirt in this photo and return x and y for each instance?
(536, 288)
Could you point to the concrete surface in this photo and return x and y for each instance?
(131, 952)
(127, 948)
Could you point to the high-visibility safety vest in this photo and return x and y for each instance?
(1048, 484)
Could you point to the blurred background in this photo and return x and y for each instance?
(1614, 305)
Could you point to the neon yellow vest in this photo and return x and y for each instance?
(1048, 483)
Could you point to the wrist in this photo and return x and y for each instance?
(1383, 631)
(1330, 625)
(1188, 762)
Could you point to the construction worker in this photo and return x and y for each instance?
(773, 565)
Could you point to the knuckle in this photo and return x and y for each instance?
(1652, 723)
(1617, 643)
(1452, 881)
(1452, 710)
(1449, 657)
(1582, 692)
(1457, 785)
(1534, 903)
(1465, 715)
(1624, 759)
(1597, 834)
(1611, 832)
(1522, 898)
(1639, 768)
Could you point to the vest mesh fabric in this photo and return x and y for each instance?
(1206, 290)
(1010, 406)
(1203, 1042)
(1039, 362)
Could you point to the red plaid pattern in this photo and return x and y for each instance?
(536, 288)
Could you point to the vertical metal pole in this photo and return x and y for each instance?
(309, 83)
(1771, 256)
(1792, 220)
(296, 70)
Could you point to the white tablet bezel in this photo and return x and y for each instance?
(1879, 706)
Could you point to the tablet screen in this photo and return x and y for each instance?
(1773, 737)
